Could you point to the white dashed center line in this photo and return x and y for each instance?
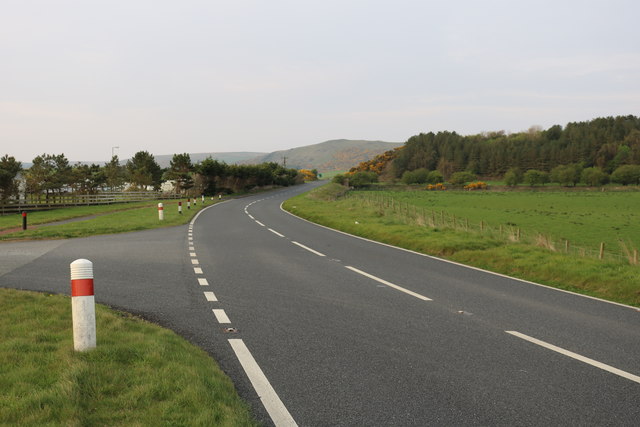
(576, 356)
(221, 315)
(276, 233)
(210, 296)
(308, 249)
(203, 282)
(391, 285)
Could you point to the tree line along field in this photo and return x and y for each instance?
(584, 219)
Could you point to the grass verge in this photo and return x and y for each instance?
(110, 219)
(612, 280)
(139, 374)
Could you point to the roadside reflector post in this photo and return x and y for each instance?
(180, 208)
(195, 201)
(188, 203)
(83, 306)
(203, 199)
(160, 211)
(24, 220)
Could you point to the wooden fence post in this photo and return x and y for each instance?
(601, 256)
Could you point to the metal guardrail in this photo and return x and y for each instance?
(70, 200)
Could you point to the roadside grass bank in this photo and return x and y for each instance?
(610, 279)
(109, 219)
(139, 374)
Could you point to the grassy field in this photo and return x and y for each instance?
(612, 278)
(109, 219)
(139, 374)
(583, 218)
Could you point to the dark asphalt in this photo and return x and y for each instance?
(342, 349)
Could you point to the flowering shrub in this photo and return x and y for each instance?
(436, 187)
(478, 185)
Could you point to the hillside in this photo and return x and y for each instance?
(335, 155)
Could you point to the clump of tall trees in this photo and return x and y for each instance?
(52, 174)
(592, 152)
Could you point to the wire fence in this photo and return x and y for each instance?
(409, 214)
(53, 201)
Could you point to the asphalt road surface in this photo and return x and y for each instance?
(319, 328)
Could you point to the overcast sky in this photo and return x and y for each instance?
(81, 77)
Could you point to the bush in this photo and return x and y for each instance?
(418, 176)
(513, 177)
(535, 177)
(363, 179)
(461, 178)
(435, 177)
(594, 177)
(566, 174)
(627, 174)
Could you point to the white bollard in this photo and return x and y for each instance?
(188, 203)
(180, 207)
(160, 211)
(203, 199)
(83, 306)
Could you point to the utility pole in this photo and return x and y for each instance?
(284, 161)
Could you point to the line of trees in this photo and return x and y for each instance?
(51, 175)
(594, 152)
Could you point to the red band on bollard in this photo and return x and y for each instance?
(24, 214)
(160, 208)
(81, 287)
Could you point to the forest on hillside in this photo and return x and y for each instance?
(603, 145)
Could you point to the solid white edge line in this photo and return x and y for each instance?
(576, 356)
(461, 265)
(275, 232)
(221, 315)
(210, 296)
(203, 282)
(309, 249)
(391, 285)
(272, 403)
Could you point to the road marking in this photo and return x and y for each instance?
(391, 285)
(576, 356)
(190, 238)
(221, 315)
(192, 254)
(272, 403)
(191, 248)
(203, 282)
(210, 296)
(195, 262)
(251, 216)
(259, 223)
(309, 249)
(457, 263)
(276, 233)
(197, 270)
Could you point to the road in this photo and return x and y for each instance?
(334, 330)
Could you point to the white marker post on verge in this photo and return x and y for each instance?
(83, 306)
(160, 211)
(180, 207)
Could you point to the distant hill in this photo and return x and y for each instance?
(328, 156)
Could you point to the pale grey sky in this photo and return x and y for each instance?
(82, 76)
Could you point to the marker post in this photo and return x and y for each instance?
(83, 306)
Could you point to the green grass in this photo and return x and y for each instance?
(610, 279)
(112, 219)
(139, 374)
(583, 218)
